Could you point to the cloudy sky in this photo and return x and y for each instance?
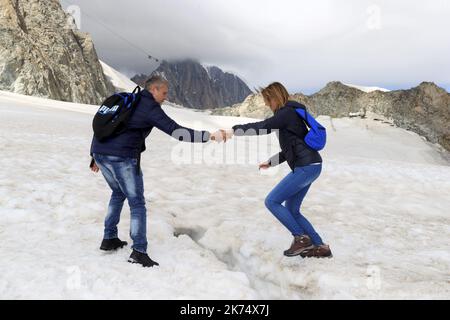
(303, 44)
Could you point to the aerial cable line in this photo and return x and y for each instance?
(116, 34)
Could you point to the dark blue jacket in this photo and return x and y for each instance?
(291, 133)
(148, 114)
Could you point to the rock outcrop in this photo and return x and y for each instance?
(43, 54)
(424, 109)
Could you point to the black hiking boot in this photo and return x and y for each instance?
(142, 258)
(112, 244)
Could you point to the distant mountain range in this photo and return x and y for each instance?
(193, 85)
(424, 109)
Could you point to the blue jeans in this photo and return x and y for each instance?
(126, 182)
(292, 190)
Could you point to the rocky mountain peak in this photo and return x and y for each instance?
(43, 54)
(431, 89)
(196, 86)
(338, 87)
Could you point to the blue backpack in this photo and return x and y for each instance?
(316, 138)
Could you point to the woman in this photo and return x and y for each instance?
(306, 165)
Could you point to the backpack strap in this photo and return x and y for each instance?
(293, 132)
(137, 90)
(304, 118)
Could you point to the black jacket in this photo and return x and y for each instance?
(148, 114)
(291, 131)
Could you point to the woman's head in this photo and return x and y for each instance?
(275, 96)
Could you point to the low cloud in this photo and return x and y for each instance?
(304, 44)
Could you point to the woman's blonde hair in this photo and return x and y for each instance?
(275, 92)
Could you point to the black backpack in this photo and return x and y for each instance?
(113, 115)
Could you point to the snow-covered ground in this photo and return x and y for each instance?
(382, 203)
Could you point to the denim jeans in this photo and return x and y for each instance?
(126, 182)
(292, 190)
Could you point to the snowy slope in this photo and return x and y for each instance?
(121, 82)
(381, 203)
(367, 89)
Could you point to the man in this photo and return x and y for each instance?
(118, 158)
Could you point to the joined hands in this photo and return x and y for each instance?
(221, 135)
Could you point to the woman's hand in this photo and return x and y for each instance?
(264, 165)
(228, 134)
(217, 136)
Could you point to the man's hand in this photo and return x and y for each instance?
(93, 166)
(264, 165)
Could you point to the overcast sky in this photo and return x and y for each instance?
(303, 44)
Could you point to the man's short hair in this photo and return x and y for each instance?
(155, 80)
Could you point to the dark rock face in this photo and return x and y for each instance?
(424, 109)
(195, 86)
(43, 54)
(140, 79)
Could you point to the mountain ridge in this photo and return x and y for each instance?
(197, 86)
(424, 109)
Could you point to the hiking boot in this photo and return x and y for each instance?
(322, 251)
(299, 244)
(142, 258)
(112, 244)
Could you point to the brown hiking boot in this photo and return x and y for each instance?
(299, 244)
(322, 251)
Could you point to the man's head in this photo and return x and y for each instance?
(159, 88)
